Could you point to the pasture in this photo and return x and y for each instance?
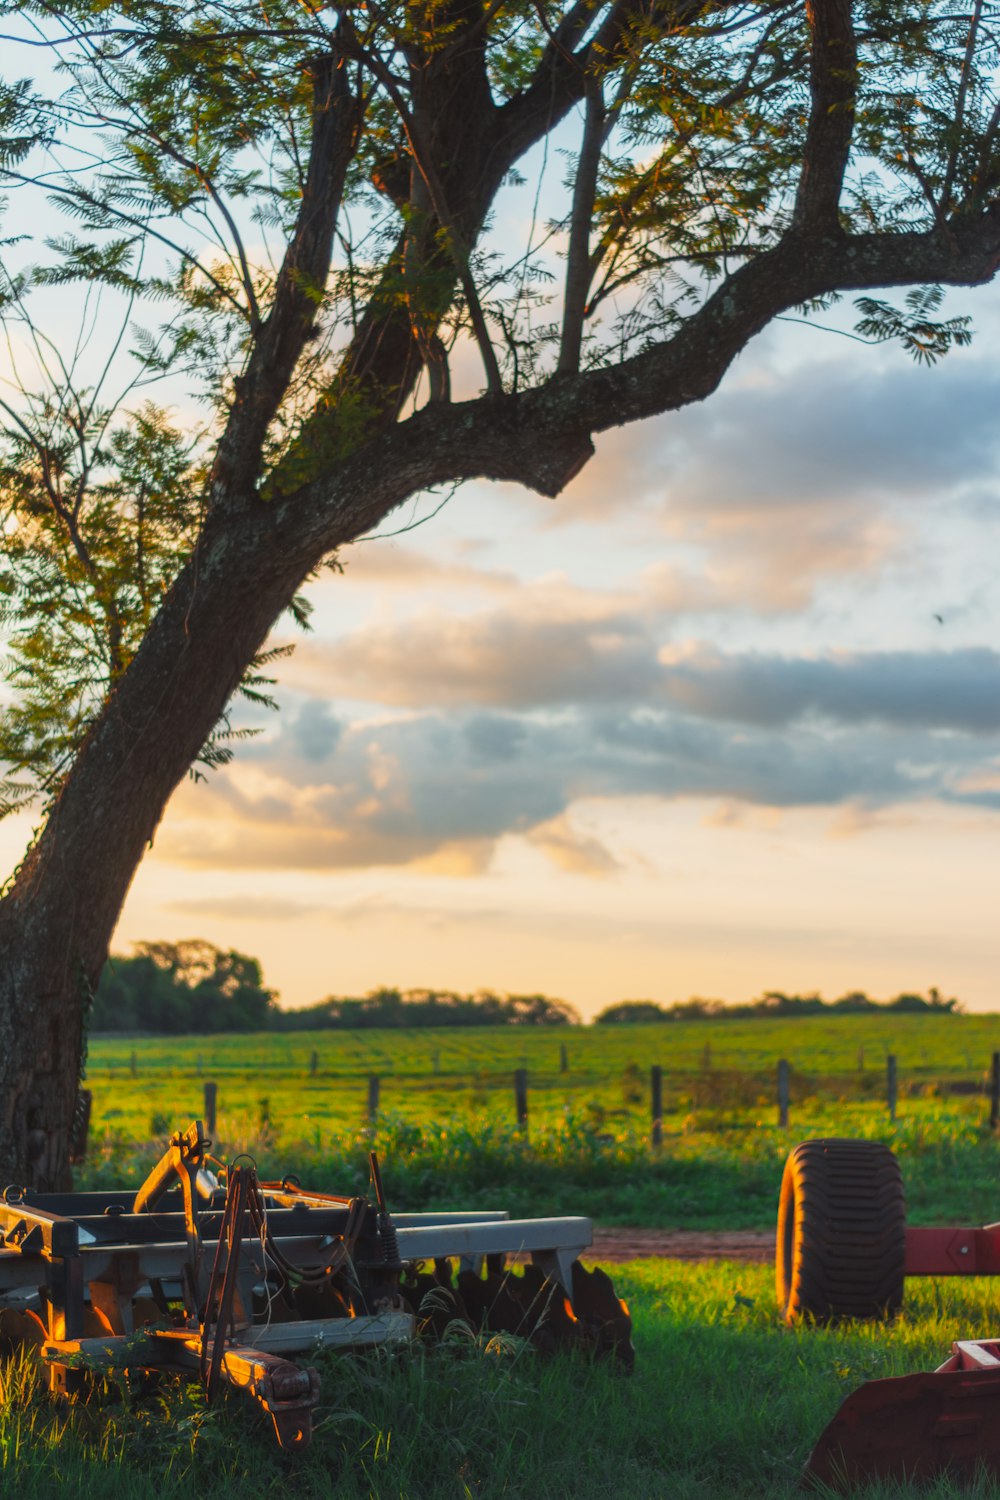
(724, 1401)
(448, 1135)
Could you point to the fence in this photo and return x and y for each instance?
(712, 1088)
(782, 1095)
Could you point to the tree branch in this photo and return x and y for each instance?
(951, 171)
(833, 84)
(578, 258)
(299, 286)
(423, 158)
(542, 437)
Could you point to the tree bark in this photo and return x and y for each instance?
(58, 918)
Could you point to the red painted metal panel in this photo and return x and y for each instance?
(912, 1427)
(953, 1252)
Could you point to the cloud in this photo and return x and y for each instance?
(240, 907)
(391, 564)
(439, 791)
(950, 690)
(317, 730)
(609, 649)
(571, 850)
(517, 656)
(781, 483)
(835, 431)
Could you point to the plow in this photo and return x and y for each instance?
(211, 1274)
(843, 1251)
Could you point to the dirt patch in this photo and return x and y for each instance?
(612, 1243)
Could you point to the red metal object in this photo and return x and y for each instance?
(917, 1426)
(953, 1252)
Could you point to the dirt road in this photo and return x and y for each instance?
(613, 1243)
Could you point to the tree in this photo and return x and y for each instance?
(730, 160)
(631, 1012)
(174, 988)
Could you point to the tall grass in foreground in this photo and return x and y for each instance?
(712, 1172)
(724, 1402)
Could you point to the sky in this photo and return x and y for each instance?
(723, 717)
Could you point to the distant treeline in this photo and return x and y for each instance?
(772, 1004)
(412, 1008)
(176, 989)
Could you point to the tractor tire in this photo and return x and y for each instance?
(841, 1244)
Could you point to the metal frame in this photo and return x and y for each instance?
(952, 1252)
(78, 1271)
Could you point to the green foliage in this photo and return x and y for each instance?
(178, 988)
(770, 1005)
(926, 338)
(427, 1008)
(631, 1013)
(167, 989)
(95, 520)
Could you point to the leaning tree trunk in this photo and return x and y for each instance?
(57, 921)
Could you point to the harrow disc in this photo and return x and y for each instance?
(528, 1305)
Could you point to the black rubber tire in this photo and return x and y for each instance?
(841, 1245)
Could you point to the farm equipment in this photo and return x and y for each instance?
(843, 1251)
(209, 1272)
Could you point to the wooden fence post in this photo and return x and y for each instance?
(211, 1096)
(783, 1073)
(890, 1085)
(521, 1097)
(314, 1065)
(374, 1089)
(563, 1058)
(995, 1092)
(861, 1059)
(656, 1100)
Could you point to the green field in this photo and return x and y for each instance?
(724, 1402)
(448, 1137)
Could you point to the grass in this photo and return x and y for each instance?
(448, 1139)
(724, 1401)
(707, 1178)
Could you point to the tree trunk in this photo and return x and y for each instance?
(57, 921)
